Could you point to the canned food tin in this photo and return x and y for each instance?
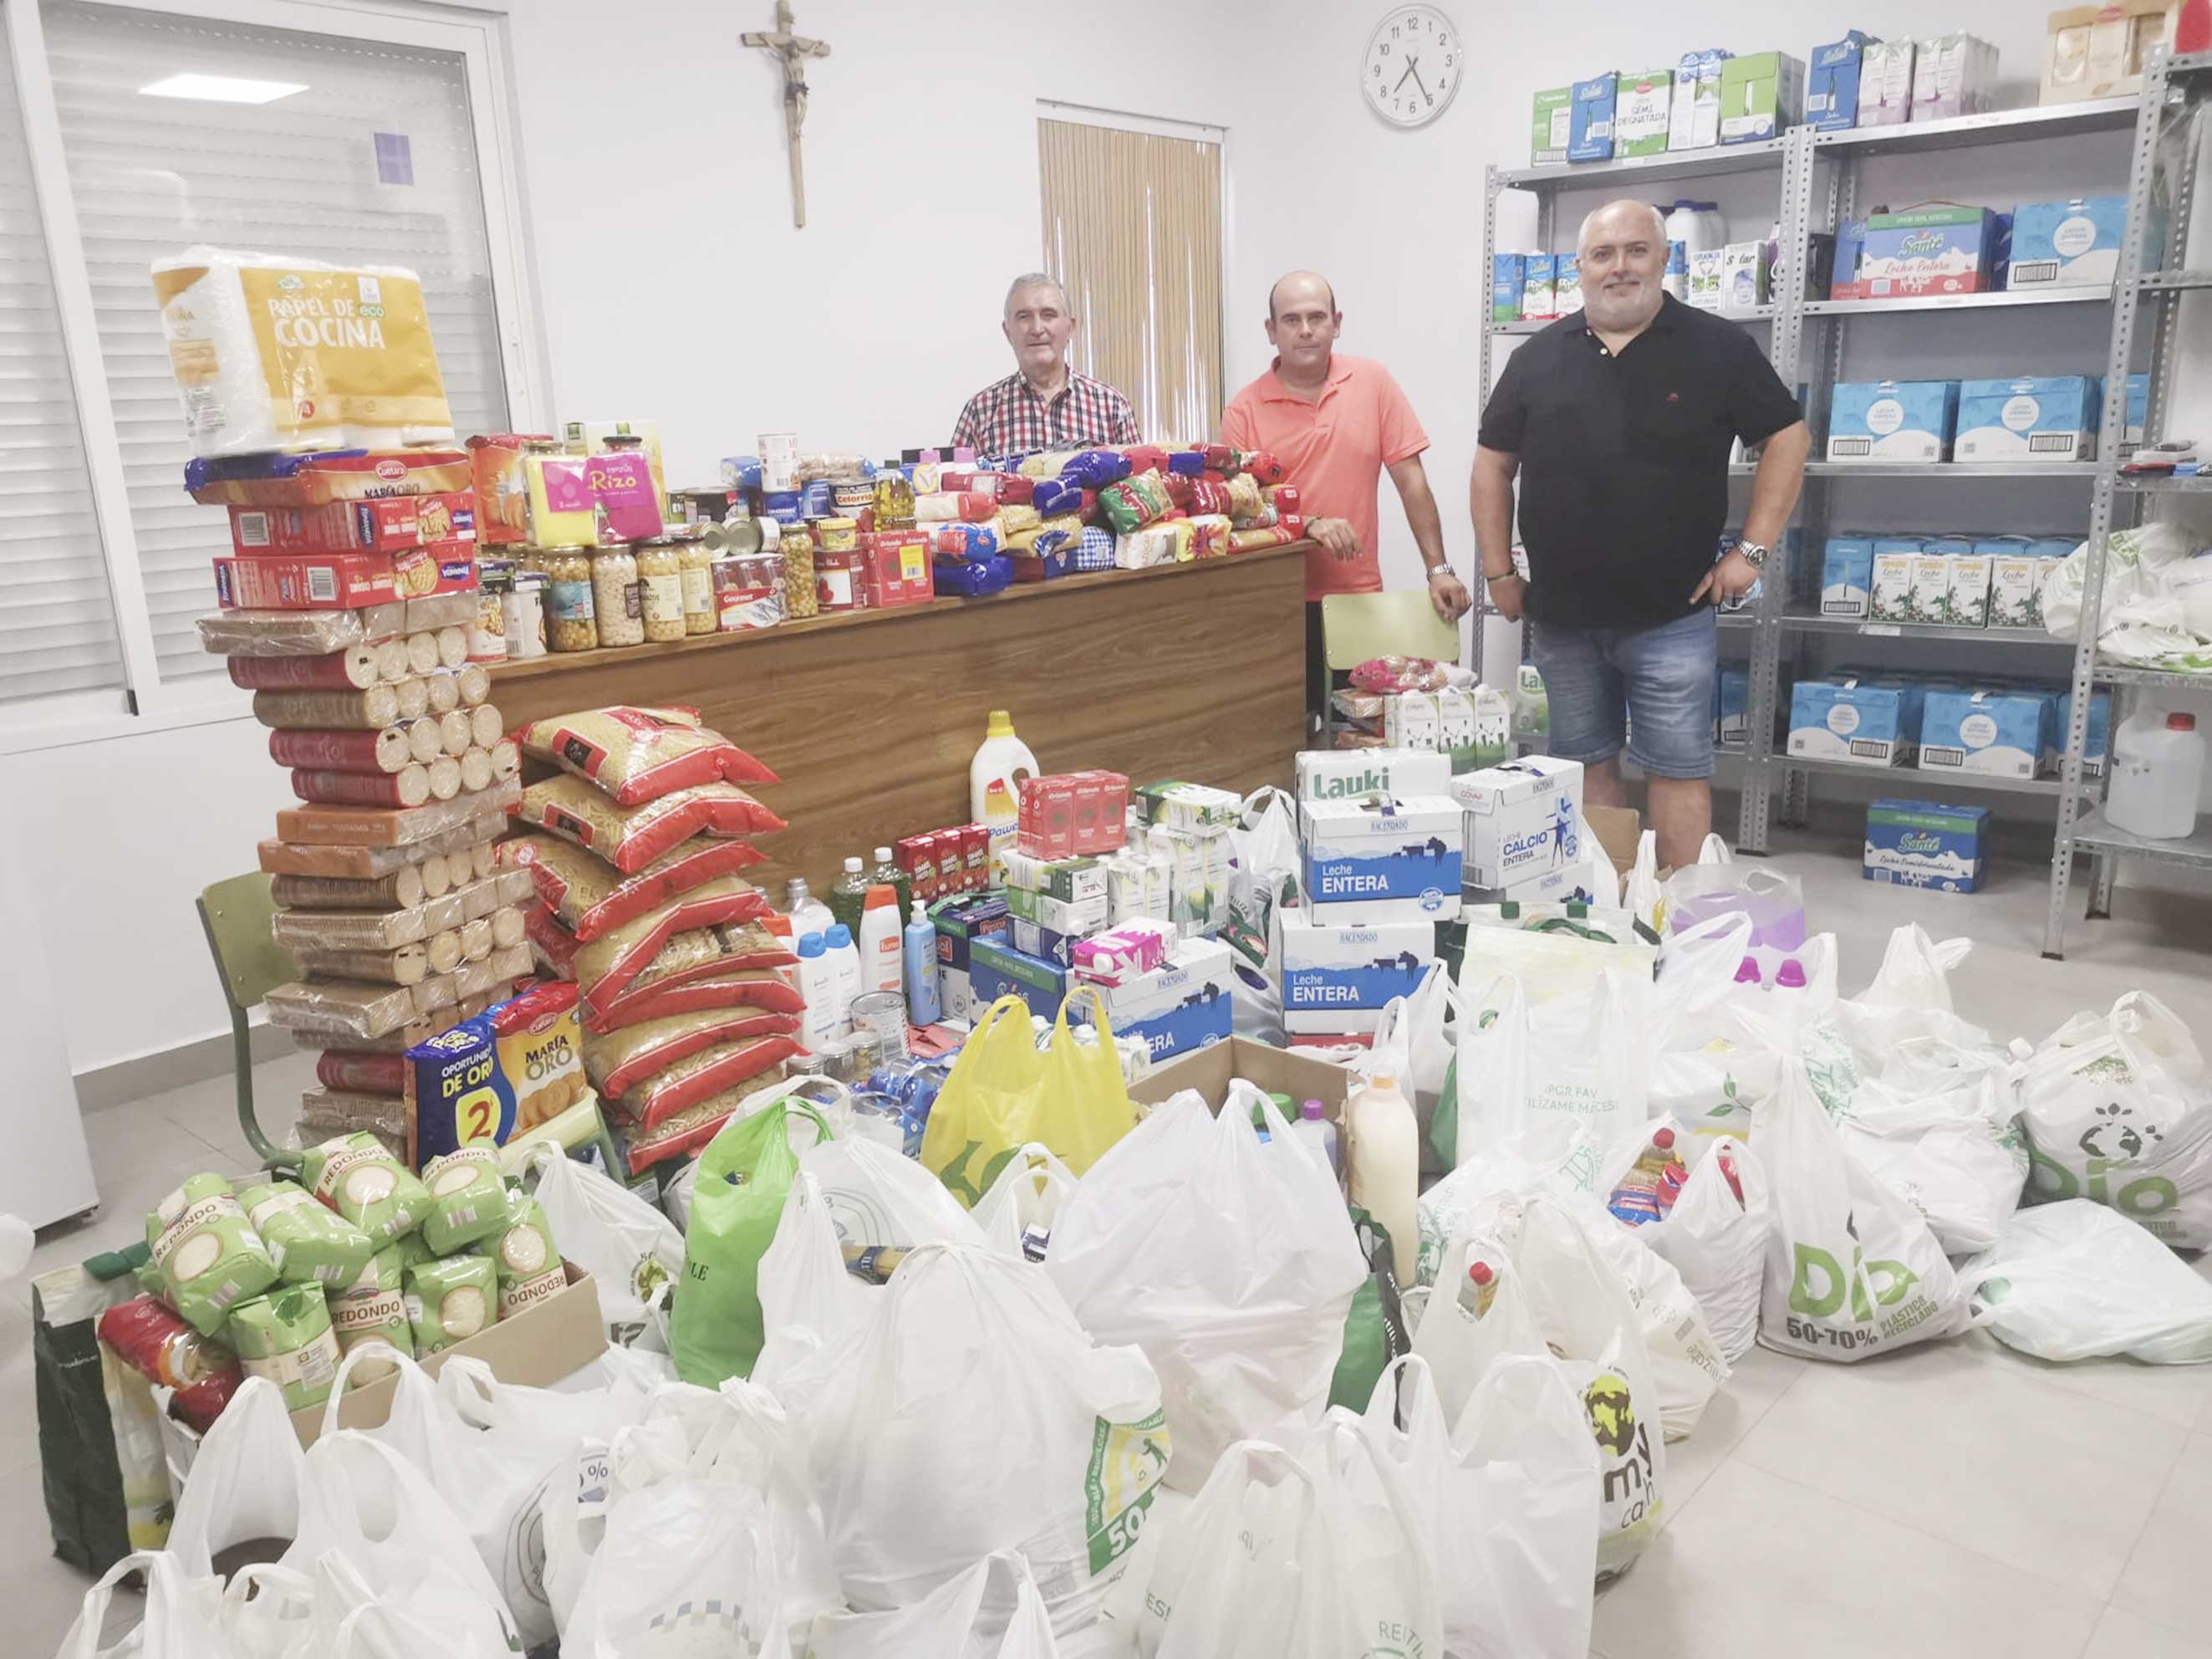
(804, 1065)
(838, 535)
(779, 453)
(522, 608)
(851, 498)
(880, 1016)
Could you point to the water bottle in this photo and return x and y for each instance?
(1479, 1291)
(1317, 1132)
(850, 896)
(2157, 772)
(808, 914)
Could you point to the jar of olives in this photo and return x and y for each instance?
(572, 623)
(617, 597)
(800, 601)
(660, 584)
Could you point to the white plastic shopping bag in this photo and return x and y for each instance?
(1915, 971)
(878, 1196)
(1231, 1261)
(1688, 1366)
(1716, 1238)
(1714, 1051)
(183, 1618)
(1579, 1058)
(629, 1248)
(1263, 879)
(2118, 1109)
(1642, 894)
(245, 1484)
(1016, 1215)
(680, 1570)
(1851, 1267)
(1559, 1156)
(992, 1611)
(2073, 1280)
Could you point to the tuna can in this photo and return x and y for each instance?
(881, 1015)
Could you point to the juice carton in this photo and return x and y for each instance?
(1198, 877)
(1886, 83)
(1843, 282)
(1070, 880)
(1643, 103)
(1047, 823)
(1966, 600)
(1411, 720)
(1102, 812)
(1892, 420)
(1930, 249)
(1952, 75)
(1540, 285)
(1832, 82)
(1188, 805)
(1889, 590)
(1855, 720)
(2000, 734)
(1693, 118)
(1508, 274)
(1931, 589)
(2066, 244)
(1589, 131)
(2033, 418)
(1708, 278)
(1761, 95)
(1177, 1008)
(1925, 843)
(1846, 576)
(1524, 818)
(1567, 288)
(1383, 860)
(1551, 123)
(1744, 272)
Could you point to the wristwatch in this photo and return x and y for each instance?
(1753, 552)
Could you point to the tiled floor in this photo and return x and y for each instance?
(1953, 1499)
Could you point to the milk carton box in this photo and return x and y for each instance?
(1523, 818)
(1998, 733)
(1855, 720)
(1886, 83)
(1952, 75)
(1355, 773)
(1455, 720)
(1571, 883)
(1567, 288)
(1744, 272)
(1694, 122)
(2067, 244)
(2138, 412)
(1732, 707)
(1930, 249)
(2033, 418)
(1508, 274)
(1411, 719)
(1589, 131)
(1708, 284)
(1642, 101)
(1338, 968)
(1540, 286)
(1846, 576)
(1177, 1009)
(1892, 420)
(1889, 591)
(2100, 735)
(1761, 95)
(1930, 601)
(1198, 876)
(996, 969)
(1551, 120)
(2015, 587)
(1967, 598)
(1386, 859)
(1832, 82)
(1925, 843)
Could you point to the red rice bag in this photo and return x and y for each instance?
(631, 837)
(704, 1073)
(591, 899)
(725, 987)
(607, 964)
(616, 1062)
(692, 1128)
(637, 755)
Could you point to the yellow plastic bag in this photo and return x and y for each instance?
(1005, 1092)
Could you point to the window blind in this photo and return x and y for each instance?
(1133, 232)
(372, 162)
(57, 620)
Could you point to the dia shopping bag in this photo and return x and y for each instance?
(743, 1175)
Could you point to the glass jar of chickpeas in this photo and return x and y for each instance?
(800, 601)
(696, 566)
(617, 596)
(571, 614)
(660, 586)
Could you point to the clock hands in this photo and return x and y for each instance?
(1412, 66)
(1401, 79)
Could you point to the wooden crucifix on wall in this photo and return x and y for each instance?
(792, 51)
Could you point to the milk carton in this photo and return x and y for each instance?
(1198, 876)
(1455, 720)
(1855, 720)
(1523, 818)
(1551, 118)
(2033, 418)
(2067, 244)
(1642, 103)
(1997, 733)
(1744, 272)
(1761, 95)
(1708, 286)
(1693, 121)
(1177, 1009)
(1930, 601)
(1331, 970)
(1930, 249)
(1952, 75)
(1355, 773)
(1540, 277)
(1567, 288)
(1925, 843)
(2138, 411)
(1508, 274)
(1892, 420)
(1967, 598)
(1889, 592)
(1832, 82)
(2015, 592)
(996, 969)
(2099, 734)
(1411, 719)
(1388, 859)
(1886, 83)
(1732, 707)
(1846, 576)
(1589, 131)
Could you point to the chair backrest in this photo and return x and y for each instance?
(1356, 627)
(235, 914)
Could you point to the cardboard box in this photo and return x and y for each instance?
(1413, 719)
(2015, 588)
(962, 919)
(898, 568)
(1929, 250)
(1889, 594)
(1952, 75)
(1994, 733)
(389, 524)
(2098, 741)
(1745, 269)
(1931, 589)
(1521, 819)
(1338, 967)
(1886, 83)
(1832, 82)
(1762, 93)
(1363, 864)
(2074, 243)
(1708, 278)
(1892, 420)
(1642, 103)
(2100, 51)
(1049, 944)
(553, 1338)
(996, 969)
(1925, 843)
(1567, 285)
(1075, 917)
(1966, 601)
(1732, 707)
(1211, 1070)
(1540, 286)
(1693, 118)
(1569, 884)
(1589, 128)
(1182, 1006)
(343, 581)
(1354, 773)
(2034, 418)
(1846, 576)
(1855, 720)
(1550, 127)
(1508, 272)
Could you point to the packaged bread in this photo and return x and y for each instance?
(590, 897)
(636, 755)
(456, 733)
(367, 709)
(449, 1300)
(390, 827)
(368, 862)
(474, 978)
(206, 1254)
(631, 837)
(475, 939)
(352, 668)
(400, 890)
(435, 610)
(367, 1186)
(473, 768)
(441, 692)
(337, 1006)
(474, 681)
(443, 951)
(284, 633)
(445, 779)
(390, 1043)
(369, 753)
(506, 756)
(468, 1199)
(407, 965)
(413, 696)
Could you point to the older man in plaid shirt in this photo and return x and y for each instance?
(1044, 404)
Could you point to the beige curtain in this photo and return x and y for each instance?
(1133, 231)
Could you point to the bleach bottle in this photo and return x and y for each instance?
(994, 785)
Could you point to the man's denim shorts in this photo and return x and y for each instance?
(1650, 690)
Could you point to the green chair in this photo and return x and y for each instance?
(1357, 627)
(234, 914)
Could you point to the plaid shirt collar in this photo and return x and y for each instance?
(1007, 418)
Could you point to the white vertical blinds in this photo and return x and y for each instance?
(56, 622)
(374, 162)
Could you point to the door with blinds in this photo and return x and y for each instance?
(1132, 232)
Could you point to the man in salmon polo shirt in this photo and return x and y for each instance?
(1337, 423)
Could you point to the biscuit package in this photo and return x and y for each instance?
(205, 1253)
(489, 1079)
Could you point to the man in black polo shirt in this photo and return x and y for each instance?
(1619, 421)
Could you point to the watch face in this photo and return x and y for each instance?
(1411, 65)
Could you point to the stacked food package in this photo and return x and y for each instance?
(635, 842)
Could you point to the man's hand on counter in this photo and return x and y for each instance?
(1337, 535)
(1448, 594)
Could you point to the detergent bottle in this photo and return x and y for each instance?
(993, 794)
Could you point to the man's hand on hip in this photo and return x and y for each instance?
(1729, 579)
(1337, 535)
(1448, 594)
(1508, 595)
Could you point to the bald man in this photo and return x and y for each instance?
(1618, 420)
(1336, 423)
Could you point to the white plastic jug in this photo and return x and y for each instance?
(2158, 771)
(1697, 226)
(993, 794)
(1386, 1166)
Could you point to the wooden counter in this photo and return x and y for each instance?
(1189, 670)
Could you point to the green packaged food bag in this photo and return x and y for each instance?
(737, 1200)
(209, 1256)
(374, 1308)
(412, 1250)
(524, 1257)
(310, 1242)
(468, 1199)
(286, 1337)
(449, 1300)
(355, 1176)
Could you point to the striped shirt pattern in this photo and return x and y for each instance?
(1007, 418)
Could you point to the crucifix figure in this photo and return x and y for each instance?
(792, 51)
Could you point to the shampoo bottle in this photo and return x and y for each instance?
(844, 959)
(922, 1007)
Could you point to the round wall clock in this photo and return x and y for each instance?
(1411, 65)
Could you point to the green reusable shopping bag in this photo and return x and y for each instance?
(1375, 1326)
(743, 1175)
